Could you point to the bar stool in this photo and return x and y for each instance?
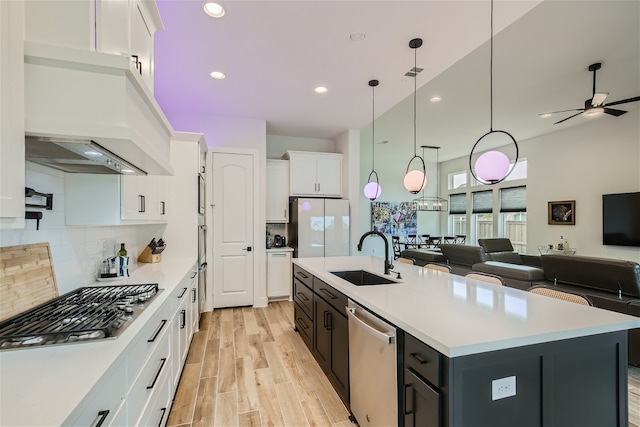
(460, 238)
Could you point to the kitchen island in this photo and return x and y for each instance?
(567, 362)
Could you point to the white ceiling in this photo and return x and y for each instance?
(275, 52)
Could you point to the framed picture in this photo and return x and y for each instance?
(562, 212)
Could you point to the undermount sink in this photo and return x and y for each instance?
(362, 278)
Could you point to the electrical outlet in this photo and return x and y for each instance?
(503, 387)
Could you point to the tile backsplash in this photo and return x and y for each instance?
(77, 251)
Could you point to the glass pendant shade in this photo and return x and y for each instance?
(414, 181)
(372, 191)
(492, 166)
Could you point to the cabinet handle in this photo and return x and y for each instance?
(285, 214)
(183, 321)
(142, 207)
(194, 274)
(302, 296)
(278, 255)
(408, 398)
(301, 321)
(318, 186)
(164, 411)
(155, 378)
(327, 321)
(162, 208)
(157, 332)
(140, 67)
(300, 273)
(184, 290)
(193, 294)
(102, 415)
(419, 358)
(327, 293)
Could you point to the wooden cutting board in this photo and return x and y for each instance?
(27, 278)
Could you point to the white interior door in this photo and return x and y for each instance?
(232, 206)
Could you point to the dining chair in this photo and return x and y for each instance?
(486, 277)
(406, 260)
(435, 241)
(563, 295)
(460, 238)
(449, 239)
(438, 267)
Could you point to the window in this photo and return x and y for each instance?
(513, 216)
(458, 214)
(483, 214)
(457, 180)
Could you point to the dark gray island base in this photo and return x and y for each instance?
(580, 381)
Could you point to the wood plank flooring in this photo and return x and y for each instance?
(247, 367)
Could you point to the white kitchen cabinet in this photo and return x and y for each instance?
(277, 191)
(92, 199)
(184, 323)
(315, 174)
(279, 273)
(12, 114)
(119, 27)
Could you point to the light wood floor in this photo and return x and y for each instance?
(247, 367)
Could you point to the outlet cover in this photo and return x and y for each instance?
(503, 387)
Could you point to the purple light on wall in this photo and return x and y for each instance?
(372, 191)
(492, 166)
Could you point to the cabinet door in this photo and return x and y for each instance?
(112, 22)
(303, 176)
(340, 354)
(278, 274)
(134, 201)
(142, 44)
(322, 333)
(422, 403)
(277, 191)
(329, 176)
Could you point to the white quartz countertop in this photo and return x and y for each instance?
(459, 316)
(41, 386)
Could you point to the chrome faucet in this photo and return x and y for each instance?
(387, 263)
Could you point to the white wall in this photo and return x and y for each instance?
(277, 145)
(579, 163)
(77, 251)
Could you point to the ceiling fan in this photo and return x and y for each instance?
(595, 105)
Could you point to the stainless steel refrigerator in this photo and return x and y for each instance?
(319, 227)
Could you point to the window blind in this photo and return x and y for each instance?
(482, 201)
(513, 199)
(457, 203)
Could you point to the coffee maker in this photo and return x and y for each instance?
(279, 241)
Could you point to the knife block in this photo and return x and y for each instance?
(147, 256)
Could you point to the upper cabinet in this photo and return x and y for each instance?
(277, 191)
(12, 114)
(119, 27)
(315, 174)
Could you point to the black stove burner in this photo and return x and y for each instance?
(85, 314)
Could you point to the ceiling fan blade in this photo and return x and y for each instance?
(562, 111)
(598, 98)
(624, 101)
(564, 120)
(614, 112)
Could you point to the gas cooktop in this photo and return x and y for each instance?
(86, 314)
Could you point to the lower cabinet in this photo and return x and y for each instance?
(138, 389)
(278, 274)
(321, 320)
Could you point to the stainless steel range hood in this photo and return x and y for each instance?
(76, 156)
(78, 102)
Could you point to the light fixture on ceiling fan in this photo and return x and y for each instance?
(415, 179)
(595, 106)
(373, 190)
(492, 166)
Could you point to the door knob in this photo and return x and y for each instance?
(248, 249)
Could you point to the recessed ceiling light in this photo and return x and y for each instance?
(357, 37)
(321, 89)
(214, 10)
(93, 153)
(127, 171)
(218, 75)
(545, 115)
(435, 98)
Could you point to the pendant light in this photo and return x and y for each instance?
(373, 190)
(415, 179)
(424, 203)
(492, 166)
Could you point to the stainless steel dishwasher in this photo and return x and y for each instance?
(372, 368)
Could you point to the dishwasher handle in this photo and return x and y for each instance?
(361, 317)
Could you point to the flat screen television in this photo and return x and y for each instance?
(621, 219)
